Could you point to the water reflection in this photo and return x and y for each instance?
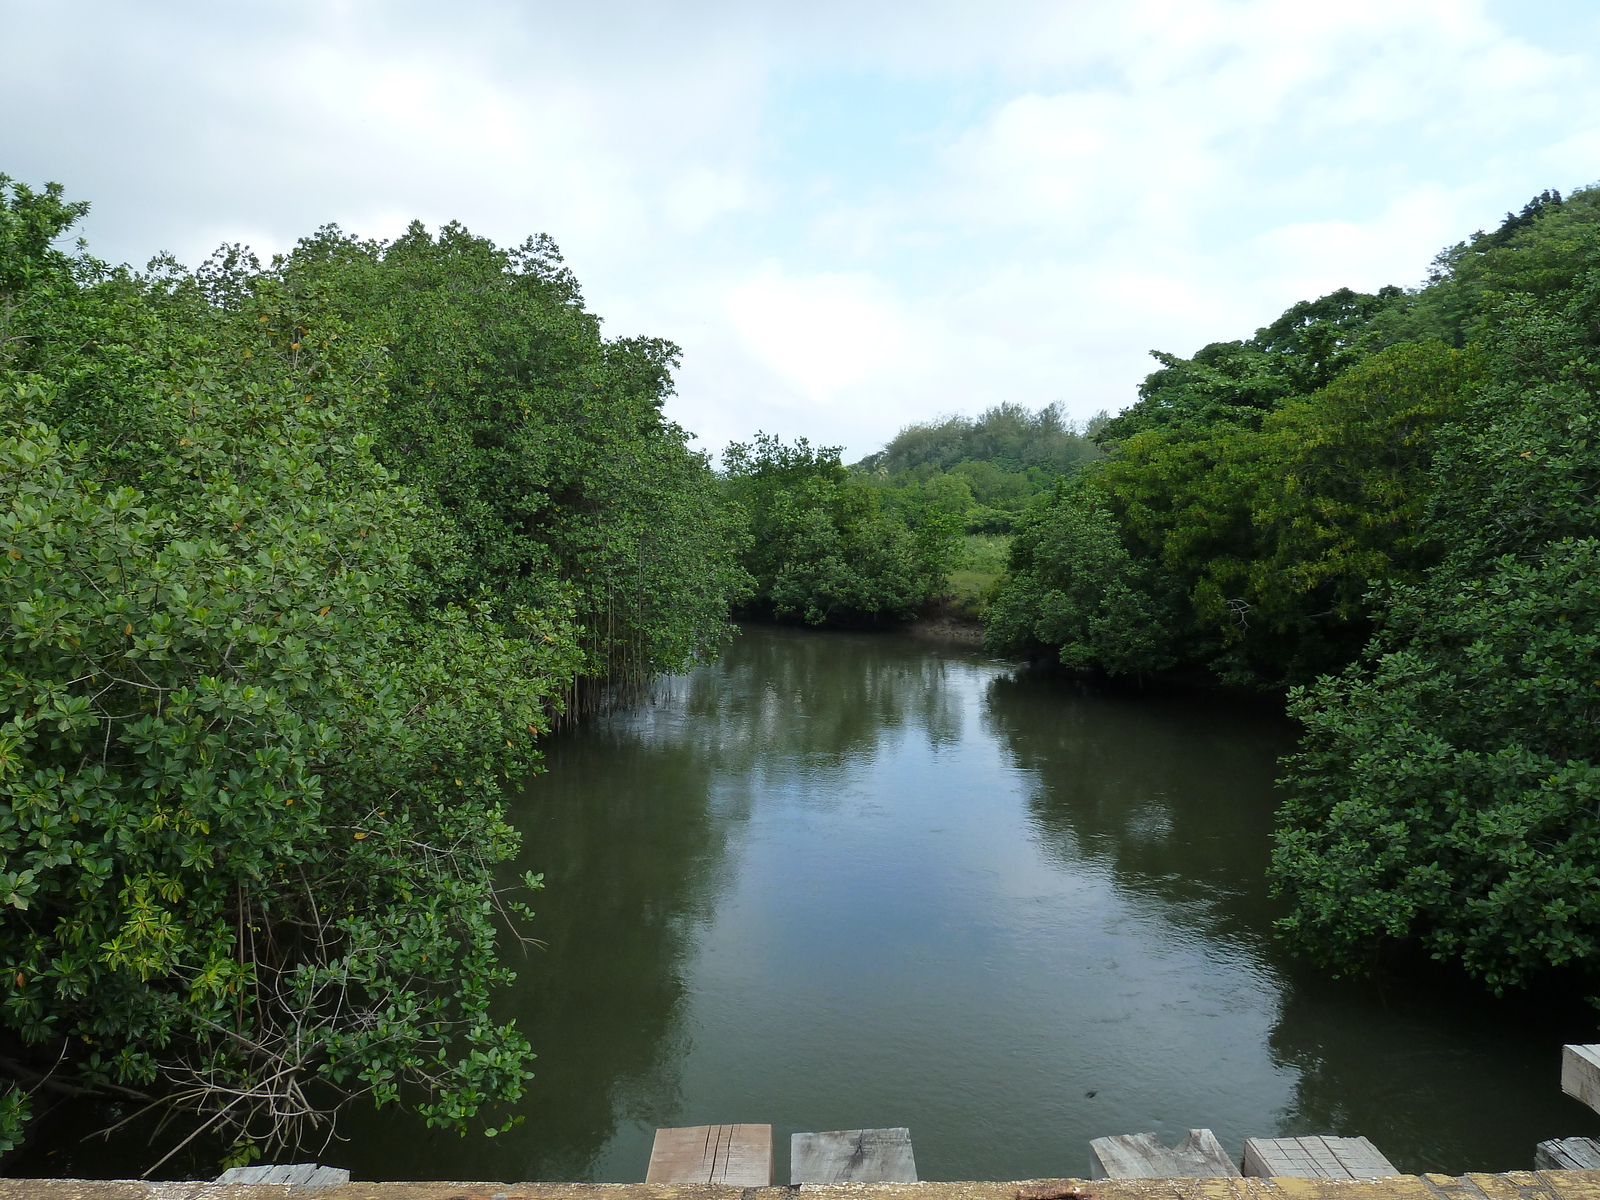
(785, 699)
(633, 855)
(842, 880)
(1175, 795)
(1177, 798)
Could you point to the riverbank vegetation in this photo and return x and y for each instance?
(926, 520)
(823, 546)
(1384, 503)
(297, 562)
(981, 472)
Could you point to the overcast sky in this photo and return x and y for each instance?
(851, 216)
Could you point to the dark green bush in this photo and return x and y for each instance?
(823, 547)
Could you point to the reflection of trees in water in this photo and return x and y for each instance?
(630, 825)
(1440, 1075)
(790, 699)
(1176, 795)
(632, 857)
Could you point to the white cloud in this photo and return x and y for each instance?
(1016, 202)
(820, 333)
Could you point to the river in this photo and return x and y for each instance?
(841, 880)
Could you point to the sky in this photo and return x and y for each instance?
(850, 216)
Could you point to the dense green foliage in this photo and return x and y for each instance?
(286, 603)
(1238, 383)
(823, 546)
(1074, 586)
(542, 440)
(983, 471)
(1254, 541)
(1390, 500)
(1447, 785)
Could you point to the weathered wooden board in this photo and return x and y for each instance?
(1567, 1154)
(739, 1155)
(1580, 1074)
(305, 1176)
(1315, 1158)
(852, 1156)
(1142, 1156)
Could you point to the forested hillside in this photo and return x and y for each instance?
(1386, 502)
(297, 562)
(985, 470)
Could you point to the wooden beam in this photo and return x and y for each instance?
(1315, 1158)
(852, 1156)
(1580, 1074)
(1567, 1154)
(1142, 1156)
(301, 1175)
(738, 1155)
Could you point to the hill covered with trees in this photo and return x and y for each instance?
(983, 471)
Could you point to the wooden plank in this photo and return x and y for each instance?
(1315, 1158)
(682, 1155)
(1126, 1156)
(242, 1175)
(301, 1175)
(1580, 1074)
(1361, 1158)
(1142, 1156)
(1567, 1154)
(1203, 1148)
(746, 1157)
(738, 1155)
(852, 1156)
(1278, 1158)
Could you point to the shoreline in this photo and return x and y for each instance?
(946, 625)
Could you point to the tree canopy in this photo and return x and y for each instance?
(1385, 504)
(823, 547)
(297, 562)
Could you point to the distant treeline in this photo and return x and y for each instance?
(297, 561)
(982, 471)
(1386, 502)
(876, 542)
(823, 547)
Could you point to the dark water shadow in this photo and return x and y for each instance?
(1178, 798)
